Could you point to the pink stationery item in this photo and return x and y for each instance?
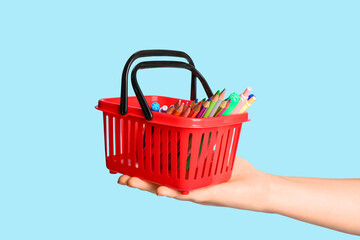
(201, 112)
(244, 97)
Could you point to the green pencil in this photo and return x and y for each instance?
(213, 101)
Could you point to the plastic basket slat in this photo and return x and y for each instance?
(195, 147)
(215, 155)
(202, 155)
(184, 140)
(156, 154)
(139, 146)
(222, 151)
(105, 134)
(148, 147)
(117, 139)
(173, 155)
(225, 160)
(165, 152)
(111, 136)
(209, 154)
(125, 143)
(235, 144)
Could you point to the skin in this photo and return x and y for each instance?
(331, 203)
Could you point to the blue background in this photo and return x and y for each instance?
(58, 58)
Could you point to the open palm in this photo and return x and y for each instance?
(247, 189)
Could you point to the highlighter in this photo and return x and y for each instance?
(247, 104)
(235, 99)
(244, 97)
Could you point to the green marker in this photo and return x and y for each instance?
(235, 99)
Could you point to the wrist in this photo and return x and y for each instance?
(276, 193)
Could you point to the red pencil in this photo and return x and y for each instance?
(195, 111)
(186, 112)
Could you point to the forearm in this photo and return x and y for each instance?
(332, 203)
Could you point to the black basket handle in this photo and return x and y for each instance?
(162, 64)
(151, 53)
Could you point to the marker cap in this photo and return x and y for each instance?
(155, 106)
(247, 92)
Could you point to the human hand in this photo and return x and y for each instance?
(314, 200)
(248, 189)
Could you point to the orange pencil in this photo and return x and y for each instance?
(170, 110)
(192, 104)
(179, 110)
(177, 104)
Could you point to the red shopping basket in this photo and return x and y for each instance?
(181, 153)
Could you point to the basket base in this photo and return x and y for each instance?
(112, 172)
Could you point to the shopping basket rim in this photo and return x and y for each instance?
(112, 106)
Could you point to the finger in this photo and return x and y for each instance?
(194, 196)
(168, 192)
(142, 185)
(123, 179)
(201, 195)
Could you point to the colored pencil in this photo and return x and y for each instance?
(185, 109)
(192, 104)
(215, 108)
(213, 101)
(178, 111)
(186, 112)
(205, 106)
(221, 107)
(225, 108)
(195, 110)
(201, 109)
(170, 110)
(177, 104)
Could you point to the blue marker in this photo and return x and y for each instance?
(155, 107)
(250, 96)
(196, 100)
